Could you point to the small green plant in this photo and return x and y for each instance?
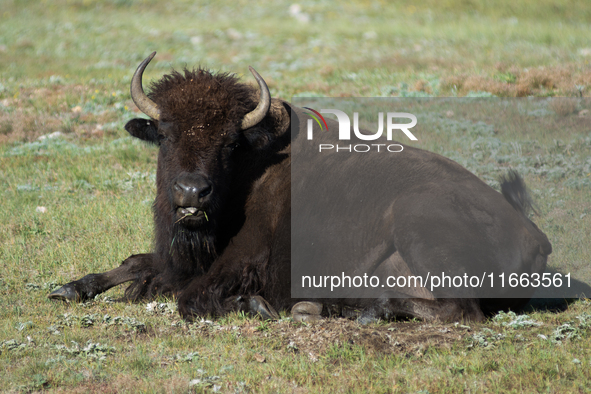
(506, 77)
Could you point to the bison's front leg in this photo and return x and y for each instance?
(137, 267)
(224, 291)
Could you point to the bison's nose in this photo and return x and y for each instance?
(191, 192)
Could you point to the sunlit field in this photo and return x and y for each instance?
(77, 191)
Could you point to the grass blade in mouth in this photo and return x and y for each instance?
(192, 211)
(186, 214)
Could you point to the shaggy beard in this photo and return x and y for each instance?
(192, 251)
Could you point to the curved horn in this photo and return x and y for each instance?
(254, 117)
(140, 99)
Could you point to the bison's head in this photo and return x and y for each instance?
(206, 127)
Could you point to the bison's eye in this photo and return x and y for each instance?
(166, 130)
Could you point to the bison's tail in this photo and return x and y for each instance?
(515, 192)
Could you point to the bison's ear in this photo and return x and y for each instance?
(144, 129)
(275, 125)
(258, 137)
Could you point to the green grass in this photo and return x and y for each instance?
(65, 66)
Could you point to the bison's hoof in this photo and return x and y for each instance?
(366, 319)
(306, 311)
(65, 293)
(259, 306)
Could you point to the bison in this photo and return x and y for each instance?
(222, 213)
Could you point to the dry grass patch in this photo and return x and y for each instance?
(514, 82)
(321, 339)
(423, 86)
(70, 109)
(564, 106)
